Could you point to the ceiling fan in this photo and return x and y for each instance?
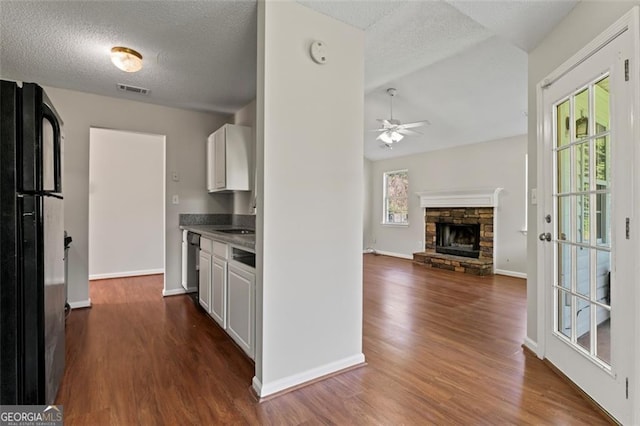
(393, 130)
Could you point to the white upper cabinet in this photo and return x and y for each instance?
(228, 159)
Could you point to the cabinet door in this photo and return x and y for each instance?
(241, 307)
(211, 180)
(220, 159)
(237, 157)
(218, 305)
(205, 280)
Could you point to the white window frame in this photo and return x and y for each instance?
(385, 216)
(526, 195)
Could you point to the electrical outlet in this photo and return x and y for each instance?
(175, 199)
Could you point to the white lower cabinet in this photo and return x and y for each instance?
(241, 306)
(227, 291)
(218, 305)
(204, 282)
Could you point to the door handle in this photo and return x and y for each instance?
(545, 236)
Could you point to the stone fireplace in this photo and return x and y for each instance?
(459, 231)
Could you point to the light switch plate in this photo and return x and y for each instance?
(175, 199)
(175, 177)
(534, 196)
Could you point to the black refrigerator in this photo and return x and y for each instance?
(32, 282)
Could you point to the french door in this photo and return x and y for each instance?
(585, 252)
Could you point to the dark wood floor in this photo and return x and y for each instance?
(442, 348)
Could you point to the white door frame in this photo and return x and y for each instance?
(629, 22)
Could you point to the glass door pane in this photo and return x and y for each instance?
(582, 217)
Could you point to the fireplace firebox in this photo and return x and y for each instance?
(458, 239)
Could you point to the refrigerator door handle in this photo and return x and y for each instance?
(52, 118)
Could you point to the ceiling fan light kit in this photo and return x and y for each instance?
(393, 130)
(126, 59)
(390, 137)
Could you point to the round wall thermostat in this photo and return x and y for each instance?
(319, 52)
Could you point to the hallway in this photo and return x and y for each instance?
(441, 348)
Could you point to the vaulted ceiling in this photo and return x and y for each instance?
(460, 64)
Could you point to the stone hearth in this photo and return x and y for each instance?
(455, 263)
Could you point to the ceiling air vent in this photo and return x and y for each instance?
(132, 89)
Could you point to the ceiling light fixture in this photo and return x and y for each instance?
(126, 59)
(391, 137)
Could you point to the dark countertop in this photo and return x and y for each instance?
(213, 232)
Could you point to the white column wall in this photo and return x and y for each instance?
(310, 197)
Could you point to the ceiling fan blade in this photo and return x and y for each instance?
(379, 137)
(384, 121)
(408, 132)
(415, 124)
(378, 130)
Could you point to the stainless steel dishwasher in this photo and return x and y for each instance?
(193, 256)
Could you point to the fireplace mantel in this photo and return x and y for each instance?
(460, 198)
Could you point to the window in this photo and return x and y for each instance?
(396, 198)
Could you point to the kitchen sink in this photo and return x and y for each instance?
(237, 231)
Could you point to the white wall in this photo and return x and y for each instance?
(186, 133)
(244, 201)
(494, 164)
(126, 203)
(585, 22)
(310, 180)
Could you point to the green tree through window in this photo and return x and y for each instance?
(396, 197)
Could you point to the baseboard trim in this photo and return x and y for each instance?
(511, 273)
(256, 388)
(392, 254)
(125, 274)
(530, 346)
(582, 393)
(279, 387)
(177, 291)
(81, 304)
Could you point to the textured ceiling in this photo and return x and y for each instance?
(460, 64)
(524, 23)
(197, 55)
(475, 96)
(407, 36)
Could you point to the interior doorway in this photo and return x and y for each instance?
(126, 204)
